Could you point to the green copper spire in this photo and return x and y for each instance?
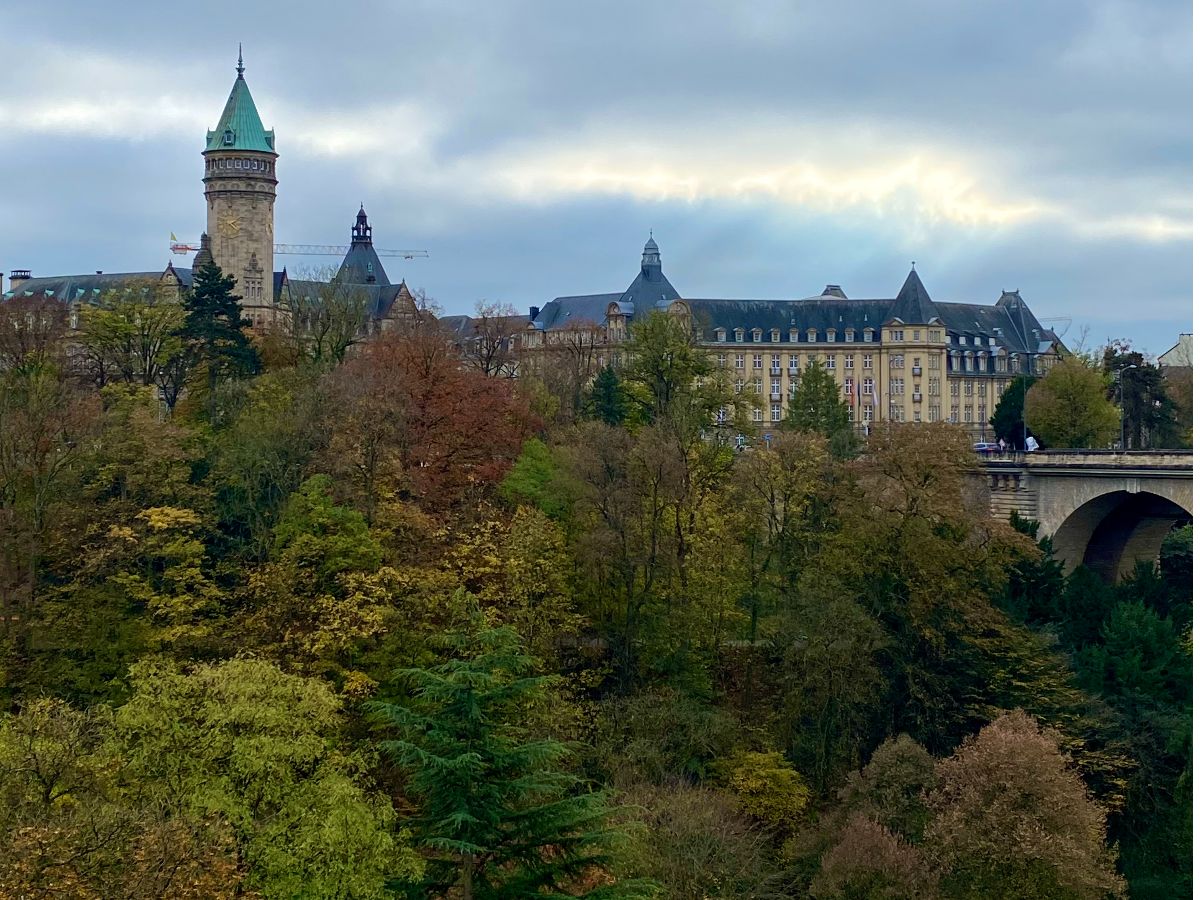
(240, 127)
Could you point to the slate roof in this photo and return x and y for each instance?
(381, 298)
(820, 313)
(240, 118)
(649, 290)
(87, 288)
(362, 266)
(913, 305)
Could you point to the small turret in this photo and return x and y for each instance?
(651, 261)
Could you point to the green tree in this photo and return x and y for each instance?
(817, 406)
(606, 400)
(532, 480)
(213, 329)
(131, 338)
(1151, 415)
(1069, 407)
(242, 741)
(499, 815)
(1008, 419)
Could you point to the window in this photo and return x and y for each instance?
(739, 360)
(792, 389)
(793, 362)
(868, 387)
(868, 334)
(969, 388)
(868, 412)
(758, 385)
(916, 415)
(849, 335)
(739, 334)
(935, 413)
(849, 361)
(830, 335)
(934, 334)
(738, 385)
(776, 412)
(774, 335)
(720, 334)
(830, 361)
(954, 415)
(848, 387)
(868, 362)
(812, 358)
(758, 360)
(849, 412)
(721, 359)
(916, 335)
(966, 414)
(756, 414)
(775, 391)
(812, 335)
(721, 416)
(757, 333)
(982, 416)
(775, 362)
(896, 362)
(935, 387)
(794, 335)
(898, 335)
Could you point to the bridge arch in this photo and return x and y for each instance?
(1113, 531)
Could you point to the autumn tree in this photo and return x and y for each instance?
(1010, 819)
(32, 332)
(490, 346)
(131, 338)
(326, 315)
(1069, 407)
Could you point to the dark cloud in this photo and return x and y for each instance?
(1080, 107)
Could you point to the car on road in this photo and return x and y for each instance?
(987, 448)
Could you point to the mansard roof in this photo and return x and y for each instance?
(87, 288)
(819, 313)
(649, 290)
(241, 121)
(381, 299)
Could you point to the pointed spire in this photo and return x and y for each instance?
(240, 127)
(913, 304)
(651, 260)
(241, 68)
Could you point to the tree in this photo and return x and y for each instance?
(869, 862)
(32, 332)
(326, 316)
(499, 815)
(1151, 416)
(606, 401)
(213, 329)
(130, 338)
(491, 345)
(1068, 407)
(1011, 820)
(1008, 419)
(817, 406)
(245, 742)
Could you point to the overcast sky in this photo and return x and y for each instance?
(774, 146)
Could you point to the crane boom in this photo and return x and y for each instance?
(342, 250)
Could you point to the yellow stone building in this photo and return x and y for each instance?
(902, 359)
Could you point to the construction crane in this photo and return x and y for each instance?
(183, 247)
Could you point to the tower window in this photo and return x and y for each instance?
(227, 137)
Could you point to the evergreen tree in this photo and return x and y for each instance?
(817, 406)
(499, 816)
(1151, 415)
(213, 329)
(606, 400)
(1008, 420)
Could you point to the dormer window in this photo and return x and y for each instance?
(830, 335)
(227, 137)
(794, 335)
(774, 335)
(868, 334)
(739, 334)
(720, 332)
(812, 335)
(978, 341)
(849, 335)
(757, 332)
(991, 342)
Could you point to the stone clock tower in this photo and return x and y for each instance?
(239, 185)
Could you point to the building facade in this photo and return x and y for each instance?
(906, 358)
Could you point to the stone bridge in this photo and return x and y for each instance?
(1103, 508)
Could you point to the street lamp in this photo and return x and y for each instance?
(1121, 389)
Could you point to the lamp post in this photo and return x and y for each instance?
(1121, 389)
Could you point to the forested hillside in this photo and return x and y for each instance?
(393, 627)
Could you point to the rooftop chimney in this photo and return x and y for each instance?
(834, 290)
(18, 277)
(533, 312)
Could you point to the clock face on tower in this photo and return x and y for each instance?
(230, 226)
